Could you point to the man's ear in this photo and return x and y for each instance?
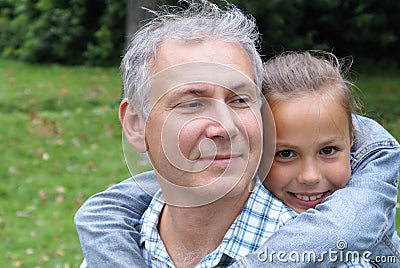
(133, 125)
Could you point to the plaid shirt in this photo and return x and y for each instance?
(261, 216)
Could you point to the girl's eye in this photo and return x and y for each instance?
(285, 154)
(328, 150)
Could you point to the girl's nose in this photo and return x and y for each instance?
(310, 174)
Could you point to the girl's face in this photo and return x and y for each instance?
(312, 157)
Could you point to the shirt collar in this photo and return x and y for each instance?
(261, 216)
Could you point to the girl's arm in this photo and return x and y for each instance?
(358, 214)
(106, 223)
(352, 219)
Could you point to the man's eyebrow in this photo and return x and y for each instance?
(244, 88)
(199, 90)
(181, 92)
(239, 86)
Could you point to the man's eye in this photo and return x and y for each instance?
(328, 150)
(190, 105)
(241, 101)
(285, 154)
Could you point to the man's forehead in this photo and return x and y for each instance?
(175, 50)
(179, 50)
(200, 75)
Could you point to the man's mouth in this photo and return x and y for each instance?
(220, 160)
(223, 156)
(219, 156)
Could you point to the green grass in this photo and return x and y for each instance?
(380, 95)
(60, 141)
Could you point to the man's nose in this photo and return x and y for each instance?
(224, 122)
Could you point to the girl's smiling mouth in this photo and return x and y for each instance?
(309, 199)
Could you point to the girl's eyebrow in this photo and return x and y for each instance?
(286, 145)
(331, 140)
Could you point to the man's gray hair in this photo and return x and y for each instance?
(199, 21)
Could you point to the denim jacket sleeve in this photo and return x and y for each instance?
(353, 218)
(107, 222)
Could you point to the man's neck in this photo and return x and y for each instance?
(189, 234)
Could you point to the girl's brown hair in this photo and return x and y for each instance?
(296, 74)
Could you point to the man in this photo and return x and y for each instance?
(196, 113)
(220, 139)
(205, 118)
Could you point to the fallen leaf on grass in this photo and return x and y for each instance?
(9, 72)
(18, 263)
(63, 91)
(43, 126)
(389, 89)
(60, 189)
(13, 170)
(59, 199)
(59, 142)
(46, 156)
(42, 196)
(79, 200)
(22, 214)
(57, 253)
(94, 147)
(29, 251)
(44, 258)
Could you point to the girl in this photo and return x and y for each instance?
(313, 109)
(312, 105)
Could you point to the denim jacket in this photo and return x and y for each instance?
(358, 218)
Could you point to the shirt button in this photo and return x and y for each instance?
(152, 258)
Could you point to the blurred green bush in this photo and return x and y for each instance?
(93, 32)
(69, 31)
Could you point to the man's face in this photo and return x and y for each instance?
(204, 134)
